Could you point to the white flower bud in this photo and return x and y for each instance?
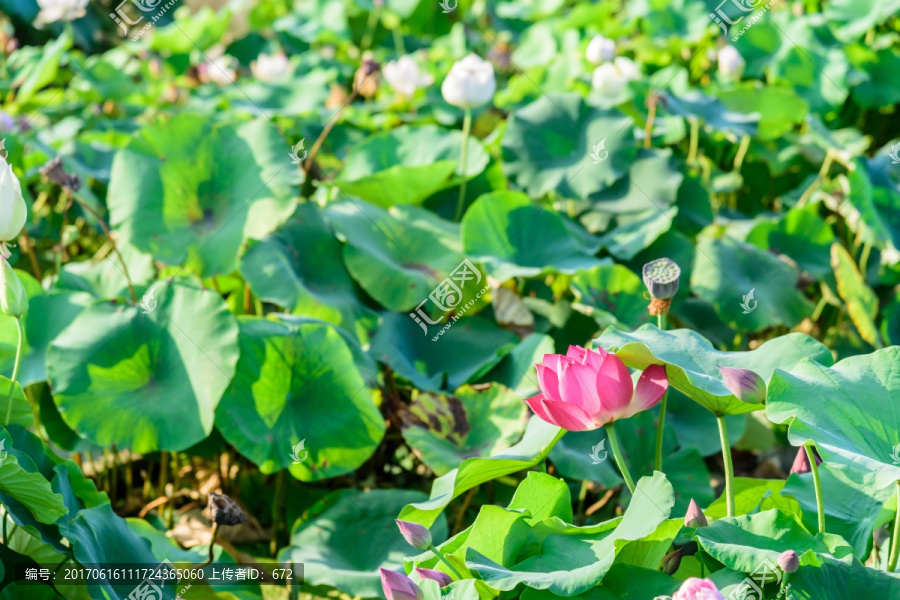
(731, 63)
(470, 83)
(600, 49)
(405, 77)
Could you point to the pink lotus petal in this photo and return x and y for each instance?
(586, 357)
(568, 416)
(614, 385)
(650, 388)
(537, 405)
(548, 381)
(578, 386)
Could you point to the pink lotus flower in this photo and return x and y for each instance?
(585, 390)
(698, 589)
(397, 586)
(442, 578)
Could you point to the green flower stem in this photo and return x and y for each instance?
(444, 560)
(820, 503)
(895, 537)
(467, 127)
(15, 373)
(617, 452)
(660, 428)
(726, 460)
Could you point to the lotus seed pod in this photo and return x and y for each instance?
(415, 535)
(789, 561)
(225, 511)
(661, 278)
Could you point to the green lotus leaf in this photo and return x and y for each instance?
(879, 87)
(692, 363)
(709, 110)
(750, 289)
(847, 410)
(408, 164)
(145, 380)
(650, 188)
(331, 546)
(632, 235)
(572, 564)
(843, 578)
(24, 491)
(287, 268)
(188, 189)
(621, 582)
(861, 301)
(401, 255)
(444, 430)
(779, 108)
(801, 234)
(515, 238)
(298, 385)
(613, 295)
(548, 144)
(534, 447)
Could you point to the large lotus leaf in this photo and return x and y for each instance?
(548, 144)
(727, 271)
(652, 183)
(861, 301)
(744, 543)
(697, 105)
(498, 533)
(779, 108)
(515, 238)
(534, 447)
(145, 380)
(851, 19)
(613, 295)
(801, 234)
(517, 369)
(691, 361)
(444, 430)
(879, 87)
(399, 256)
(106, 278)
(190, 189)
(408, 164)
(468, 350)
(296, 95)
(845, 578)
(20, 412)
(622, 582)
(300, 268)
(871, 206)
(23, 487)
(572, 564)
(346, 543)
(633, 233)
(294, 384)
(848, 410)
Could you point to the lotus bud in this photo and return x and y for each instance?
(271, 67)
(225, 511)
(801, 462)
(610, 78)
(731, 63)
(694, 518)
(661, 278)
(746, 385)
(671, 561)
(59, 10)
(442, 578)
(415, 535)
(405, 77)
(13, 299)
(600, 49)
(12, 206)
(397, 586)
(470, 83)
(789, 561)
(55, 172)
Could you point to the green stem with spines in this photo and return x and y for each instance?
(820, 503)
(895, 536)
(617, 453)
(467, 128)
(660, 428)
(15, 373)
(729, 468)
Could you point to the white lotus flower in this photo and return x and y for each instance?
(12, 206)
(600, 50)
(610, 78)
(271, 67)
(405, 77)
(219, 70)
(731, 63)
(470, 83)
(60, 10)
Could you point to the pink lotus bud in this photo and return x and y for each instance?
(698, 589)
(442, 578)
(694, 517)
(789, 561)
(801, 462)
(397, 586)
(415, 535)
(671, 561)
(745, 384)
